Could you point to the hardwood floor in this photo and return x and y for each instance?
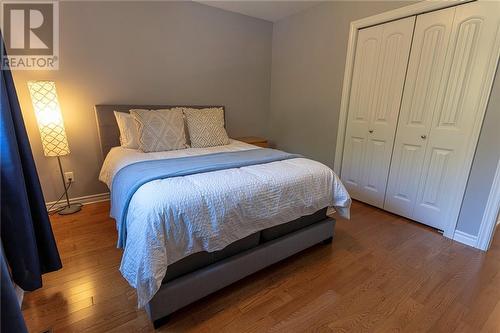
(382, 273)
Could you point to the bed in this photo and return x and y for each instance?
(189, 236)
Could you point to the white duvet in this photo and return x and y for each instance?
(169, 219)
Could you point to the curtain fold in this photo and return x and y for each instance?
(28, 242)
(12, 319)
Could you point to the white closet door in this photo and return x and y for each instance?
(451, 113)
(420, 97)
(379, 71)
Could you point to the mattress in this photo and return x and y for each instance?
(120, 157)
(171, 219)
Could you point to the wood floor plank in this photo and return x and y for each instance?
(382, 273)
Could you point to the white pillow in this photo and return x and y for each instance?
(206, 127)
(160, 130)
(129, 138)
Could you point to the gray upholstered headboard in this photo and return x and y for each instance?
(107, 128)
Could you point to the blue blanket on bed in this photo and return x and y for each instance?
(128, 179)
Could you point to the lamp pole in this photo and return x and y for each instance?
(69, 209)
(63, 181)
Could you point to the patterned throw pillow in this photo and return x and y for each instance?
(206, 127)
(159, 130)
(128, 131)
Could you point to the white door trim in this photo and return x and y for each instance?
(415, 9)
(490, 216)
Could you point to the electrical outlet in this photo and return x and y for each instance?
(68, 176)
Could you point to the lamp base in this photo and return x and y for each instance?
(73, 208)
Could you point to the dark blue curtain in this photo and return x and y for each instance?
(28, 242)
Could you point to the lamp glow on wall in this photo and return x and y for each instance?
(52, 132)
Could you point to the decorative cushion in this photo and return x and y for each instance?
(159, 130)
(129, 138)
(206, 127)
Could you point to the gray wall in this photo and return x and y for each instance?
(483, 167)
(309, 52)
(149, 53)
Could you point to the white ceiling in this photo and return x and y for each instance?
(267, 10)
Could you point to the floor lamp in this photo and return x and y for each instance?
(51, 125)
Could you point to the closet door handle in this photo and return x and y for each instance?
(423, 136)
(371, 131)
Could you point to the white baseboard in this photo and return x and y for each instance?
(465, 238)
(85, 200)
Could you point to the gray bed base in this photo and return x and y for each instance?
(191, 287)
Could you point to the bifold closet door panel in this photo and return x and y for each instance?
(452, 140)
(420, 98)
(360, 107)
(453, 103)
(379, 72)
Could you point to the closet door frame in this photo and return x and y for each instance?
(415, 9)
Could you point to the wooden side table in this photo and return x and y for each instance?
(254, 140)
